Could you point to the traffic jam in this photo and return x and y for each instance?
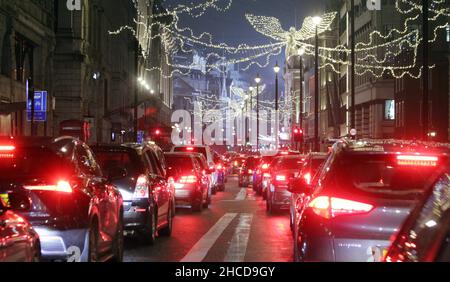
(362, 201)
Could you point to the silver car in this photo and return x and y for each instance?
(362, 196)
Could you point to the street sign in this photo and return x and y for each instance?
(40, 106)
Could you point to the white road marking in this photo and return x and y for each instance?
(241, 195)
(238, 247)
(201, 249)
(251, 197)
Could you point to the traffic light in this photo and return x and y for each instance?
(297, 134)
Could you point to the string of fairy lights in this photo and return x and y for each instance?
(392, 52)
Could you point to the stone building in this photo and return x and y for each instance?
(27, 46)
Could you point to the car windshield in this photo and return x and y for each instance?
(381, 176)
(199, 150)
(289, 163)
(28, 163)
(118, 159)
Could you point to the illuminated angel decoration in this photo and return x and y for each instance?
(272, 28)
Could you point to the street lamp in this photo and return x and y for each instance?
(317, 21)
(258, 81)
(276, 69)
(301, 52)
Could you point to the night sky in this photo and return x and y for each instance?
(232, 28)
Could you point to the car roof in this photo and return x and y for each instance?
(383, 146)
(24, 141)
(179, 154)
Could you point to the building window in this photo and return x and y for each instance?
(389, 110)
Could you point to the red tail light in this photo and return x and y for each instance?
(142, 189)
(417, 160)
(219, 167)
(189, 179)
(62, 186)
(330, 207)
(265, 166)
(7, 148)
(190, 149)
(250, 171)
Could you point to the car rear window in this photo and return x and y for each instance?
(289, 163)
(381, 176)
(179, 163)
(251, 162)
(114, 159)
(27, 163)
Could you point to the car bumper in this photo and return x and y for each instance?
(281, 197)
(360, 250)
(63, 245)
(186, 195)
(135, 214)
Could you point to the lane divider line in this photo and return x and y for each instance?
(202, 247)
(241, 195)
(238, 247)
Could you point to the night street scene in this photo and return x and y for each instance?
(225, 131)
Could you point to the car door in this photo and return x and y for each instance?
(99, 198)
(159, 187)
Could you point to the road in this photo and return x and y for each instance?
(236, 228)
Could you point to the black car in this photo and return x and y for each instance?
(191, 186)
(149, 201)
(425, 236)
(76, 211)
(18, 240)
(246, 174)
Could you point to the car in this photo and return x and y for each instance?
(75, 210)
(236, 164)
(206, 174)
(361, 197)
(282, 170)
(190, 185)
(246, 172)
(313, 162)
(148, 197)
(261, 173)
(221, 172)
(19, 242)
(210, 158)
(425, 235)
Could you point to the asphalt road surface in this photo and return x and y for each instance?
(235, 228)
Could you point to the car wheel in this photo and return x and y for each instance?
(93, 243)
(197, 205)
(167, 231)
(149, 232)
(118, 242)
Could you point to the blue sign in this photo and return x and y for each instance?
(40, 106)
(141, 136)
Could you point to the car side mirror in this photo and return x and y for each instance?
(299, 186)
(19, 202)
(116, 173)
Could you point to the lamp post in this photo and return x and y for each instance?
(352, 68)
(250, 119)
(301, 52)
(317, 21)
(425, 78)
(258, 81)
(276, 69)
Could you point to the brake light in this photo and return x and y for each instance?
(330, 207)
(417, 160)
(219, 167)
(285, 153)
(250, 171)
(7, 148)
(189, 179)
(236, 163)
(190, 149)
(281, 178)
(266, 174)
(307, 177)
(6, 156)
(62, 186)
(265, 166)
(141, 191)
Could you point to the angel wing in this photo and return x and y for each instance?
(308, 29)
(268, 26)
